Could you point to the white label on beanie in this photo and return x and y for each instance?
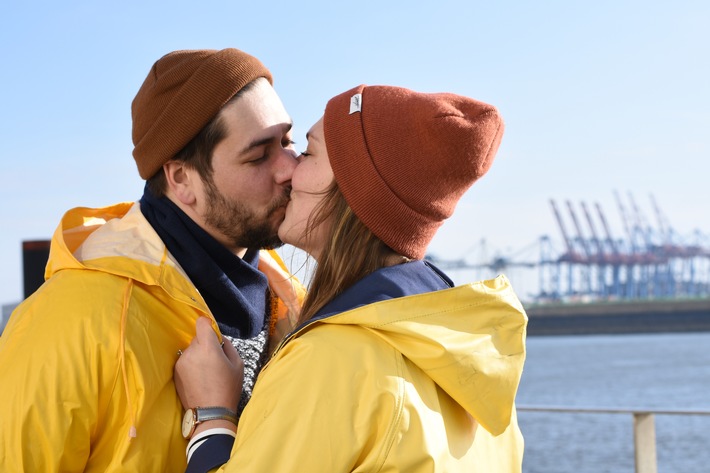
(355, 103)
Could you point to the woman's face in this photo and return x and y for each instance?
(310, 180)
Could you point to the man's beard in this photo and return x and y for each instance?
(243, 227)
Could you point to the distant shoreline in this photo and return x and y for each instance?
(598, 318)
(619, 317)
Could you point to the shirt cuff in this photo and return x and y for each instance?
(209, 449)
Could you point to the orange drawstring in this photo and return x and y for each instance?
(126, 298)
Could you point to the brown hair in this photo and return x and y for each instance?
(197, 154)
(351, 252)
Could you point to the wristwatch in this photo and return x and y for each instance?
(200, 414)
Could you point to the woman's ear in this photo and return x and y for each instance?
(181, 182)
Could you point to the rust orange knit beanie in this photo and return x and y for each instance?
(182, 93)
(402, 159)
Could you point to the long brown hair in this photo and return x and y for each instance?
(351, 251)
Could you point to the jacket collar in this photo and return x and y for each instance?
(401, 280)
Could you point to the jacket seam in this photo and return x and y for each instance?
(101, 414)
(399, 411)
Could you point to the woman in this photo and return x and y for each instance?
(392, 368)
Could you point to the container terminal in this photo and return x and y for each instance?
(651, 279)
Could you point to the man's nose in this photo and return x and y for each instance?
(286, 163)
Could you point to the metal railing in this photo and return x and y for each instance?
(644, 428)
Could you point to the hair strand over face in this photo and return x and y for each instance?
(351, 252)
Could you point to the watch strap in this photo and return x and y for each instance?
(203, 414)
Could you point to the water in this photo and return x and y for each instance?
(663, 371)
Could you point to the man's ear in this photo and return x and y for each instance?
(181, 182)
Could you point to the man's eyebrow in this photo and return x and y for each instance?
(267, 139)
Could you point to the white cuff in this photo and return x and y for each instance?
(200, 438)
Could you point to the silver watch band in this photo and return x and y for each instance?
(203, 414)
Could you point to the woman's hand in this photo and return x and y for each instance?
(207, 374)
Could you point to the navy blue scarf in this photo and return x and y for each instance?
(236, 292)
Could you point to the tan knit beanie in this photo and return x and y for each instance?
(402, 159)
(182, 93)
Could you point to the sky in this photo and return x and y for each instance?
(598, 97)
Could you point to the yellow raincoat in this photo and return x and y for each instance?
(423, 383)
(86, 363)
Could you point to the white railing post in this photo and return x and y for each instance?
(645, 443)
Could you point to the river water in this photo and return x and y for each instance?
(662, 371)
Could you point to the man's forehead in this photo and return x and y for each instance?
(261, 100)
(256, 117)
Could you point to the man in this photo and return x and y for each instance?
(86, 363)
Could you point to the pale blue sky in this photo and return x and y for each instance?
(597, 97)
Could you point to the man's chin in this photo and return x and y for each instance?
(273, 245)
(273, 241)
(277, 217)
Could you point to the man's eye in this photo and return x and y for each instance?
(288, 142)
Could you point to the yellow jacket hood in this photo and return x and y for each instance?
(120, 230)
(469, 339)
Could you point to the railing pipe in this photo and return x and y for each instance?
(644, 428)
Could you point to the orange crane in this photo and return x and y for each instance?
(571, 255)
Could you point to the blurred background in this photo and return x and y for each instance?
(607, 106)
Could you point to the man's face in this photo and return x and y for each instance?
(244, 203)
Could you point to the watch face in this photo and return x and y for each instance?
(188, 422)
